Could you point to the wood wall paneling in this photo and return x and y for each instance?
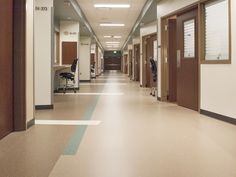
(19, 65)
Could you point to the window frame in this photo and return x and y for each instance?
(202, 34)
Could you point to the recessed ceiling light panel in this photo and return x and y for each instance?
(112, 24)
(113, 42)
(112, 5)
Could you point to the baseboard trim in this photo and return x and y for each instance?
(30, 123)
(43, 107)
(85, 81)
(61, 89)
(218, 116)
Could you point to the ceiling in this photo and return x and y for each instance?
(65, 11)
(95, 16)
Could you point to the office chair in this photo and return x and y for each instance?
(69, 76)
(154, 75)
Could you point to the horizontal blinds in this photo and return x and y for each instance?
(189, 39)
(217, 30)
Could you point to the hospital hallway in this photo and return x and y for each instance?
(113, 128)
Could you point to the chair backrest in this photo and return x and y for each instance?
(153, 66)
(74, 65)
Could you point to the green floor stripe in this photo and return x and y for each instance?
(77, 137)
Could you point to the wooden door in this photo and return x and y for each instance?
(126, 64)
(130, 63)
(187, 60)
(137, 62)
(112, 63)
(172, 61)
(6, 67)
(69, 52)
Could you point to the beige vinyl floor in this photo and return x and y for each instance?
(137, 136)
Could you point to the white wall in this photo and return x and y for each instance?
(218, 82)
(99, 61)
(84, 58)
(69, 32)
(30, 60)
(43, 53)
(145, 30)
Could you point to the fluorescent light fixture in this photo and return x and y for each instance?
(112, 5)
(113, 45)
(112, 24)
(117, 37)
(113, 42)
(107, 36)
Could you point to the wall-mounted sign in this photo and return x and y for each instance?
(38, 8)
(69, 33)
(84, 44)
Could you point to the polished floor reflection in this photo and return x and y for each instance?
(121, 132)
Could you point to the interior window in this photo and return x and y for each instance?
(189, 39)
(217, 30)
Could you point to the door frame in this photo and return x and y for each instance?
(164, 54)
(144, 55)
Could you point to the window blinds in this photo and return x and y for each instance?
(189, 39)
(217, 30)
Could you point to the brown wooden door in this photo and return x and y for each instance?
(172, 61)
(137, 62)
(112, 63)
(126, 64)
(130, 63)
(6, 68)
(187, 60)
(69, 52)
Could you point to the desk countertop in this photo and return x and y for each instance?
(60, 67)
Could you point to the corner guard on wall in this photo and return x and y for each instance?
(30, 123)
(227, 119)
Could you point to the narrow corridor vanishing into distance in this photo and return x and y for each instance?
(114, 128)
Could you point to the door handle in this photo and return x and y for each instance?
(178, 58)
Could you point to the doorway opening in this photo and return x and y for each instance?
(148, 53)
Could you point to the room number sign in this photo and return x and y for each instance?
(37, 8)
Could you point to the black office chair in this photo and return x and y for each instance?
(70, 76)
(153, 66)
